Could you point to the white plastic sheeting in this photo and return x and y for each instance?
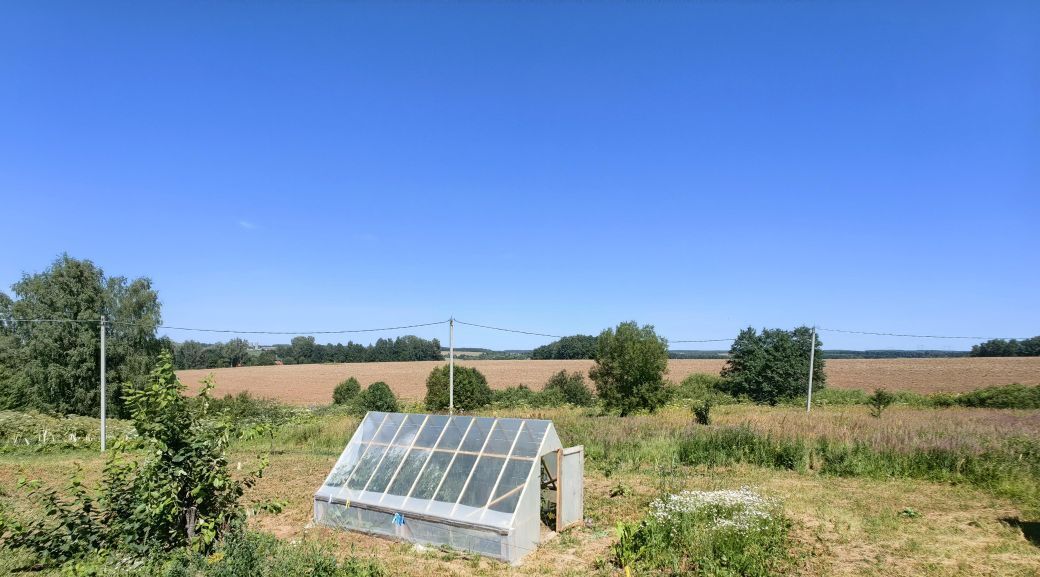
(471, 483)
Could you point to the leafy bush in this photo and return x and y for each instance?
(242, 554)
(1003, 397)
(244, 410)
(378, 397)
(772, 366)
(514, 397)
(471, 389)
(346, 391)
(571, 388)
(250, 554)
(523, 396)
(702, 412)
(182, 494)
(880, 401)
(630, 365)
(36, 432)
(727, 533)
(702, 387)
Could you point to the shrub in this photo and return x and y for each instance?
(514, 397)
(182, 494)
(35, 432)
(702, 387)
(630, 365)
(244, 409)
(880, 401)
(378, 397)
(702, 412)
(571, 388)
(471, 389)
(251, 554)
(346, 391)
(1003, 397)
(707, 533)
(838, 397)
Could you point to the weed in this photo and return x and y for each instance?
(707, 533)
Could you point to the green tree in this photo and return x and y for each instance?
(378, 397)
(571, 388)
(189, 355)
(261, 359)
(471, 389)
(346, 391)
(1007, 348)
(572, 347)
(235, 352)
(55, 364)
(773, 365)
(630, 365)
(301, 350)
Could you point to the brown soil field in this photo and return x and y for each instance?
(313, 384)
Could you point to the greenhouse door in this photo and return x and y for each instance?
(570, 487)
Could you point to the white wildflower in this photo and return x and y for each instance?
(740, 510)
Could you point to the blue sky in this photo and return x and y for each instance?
(548, 166)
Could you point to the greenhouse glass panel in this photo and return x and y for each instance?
(461, 481)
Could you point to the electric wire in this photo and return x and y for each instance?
(335, 332)
(508, 330)
(235, 331)
(483, 326)
(914, 336)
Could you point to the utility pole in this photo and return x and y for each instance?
(103, 383)
(812, 360)
(451, 366)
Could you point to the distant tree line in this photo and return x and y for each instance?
(572, 347)
(303, 350)
(1008, 348)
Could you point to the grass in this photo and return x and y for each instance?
(847, 509)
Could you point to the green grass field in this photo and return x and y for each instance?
(904, 500)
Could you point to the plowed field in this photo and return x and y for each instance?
(313, 384)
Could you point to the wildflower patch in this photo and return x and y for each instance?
(719, 533)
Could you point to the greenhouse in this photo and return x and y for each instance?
(478, 484)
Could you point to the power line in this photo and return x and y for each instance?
(494, 328)
(337, 332)
(913, 336)
(233, 331)
(508, 330)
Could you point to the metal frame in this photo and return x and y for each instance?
(365, 448)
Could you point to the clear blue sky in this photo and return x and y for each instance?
(554, 166)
